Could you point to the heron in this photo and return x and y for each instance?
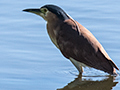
(75, 42)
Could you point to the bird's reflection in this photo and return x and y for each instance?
(83, 84)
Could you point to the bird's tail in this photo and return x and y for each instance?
(113, 64)
(114, 72)
(114, 68)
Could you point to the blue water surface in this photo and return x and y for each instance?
(29, 60)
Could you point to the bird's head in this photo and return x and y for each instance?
(49, 12)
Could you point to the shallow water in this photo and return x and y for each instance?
(29, 60)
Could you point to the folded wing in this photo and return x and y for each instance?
(82, 46)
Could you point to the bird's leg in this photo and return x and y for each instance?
(78, 65)
(80, 70)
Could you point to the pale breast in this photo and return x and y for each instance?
(52, 34)
(53, 40)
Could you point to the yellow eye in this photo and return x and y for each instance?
(45, 10)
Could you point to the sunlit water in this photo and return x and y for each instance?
(28, 59)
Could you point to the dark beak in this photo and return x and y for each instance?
(35, 11)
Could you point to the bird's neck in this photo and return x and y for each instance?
(52, 29)
(54, 23)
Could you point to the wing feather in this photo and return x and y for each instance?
(82, 46)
